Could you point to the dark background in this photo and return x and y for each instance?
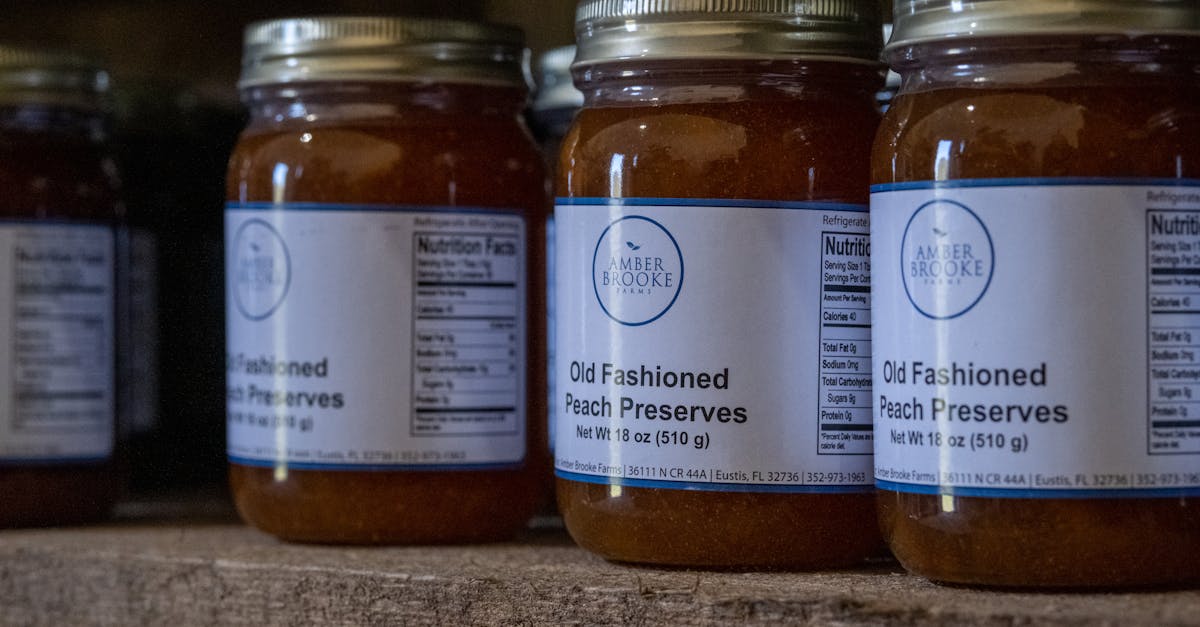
(197, 43)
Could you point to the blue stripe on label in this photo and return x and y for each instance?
(1002, 493)
(714, 487)
(712, 202)
(1033, 181)
(367, 208)
(49, 461)
(263, 463)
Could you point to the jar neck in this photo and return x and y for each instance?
(707, 81)
(1048, 61)
(315, 103)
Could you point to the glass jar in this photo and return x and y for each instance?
(1036, 195)
(385, 284)
(551, 114)
(57, 239)
(556, 102)
(891, 82)
(172, 147)
(702, 420)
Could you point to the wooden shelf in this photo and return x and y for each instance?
(190, 565)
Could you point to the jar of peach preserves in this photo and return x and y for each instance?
(58, 291)
(385, 284)
(712, 383)
(1035, 224)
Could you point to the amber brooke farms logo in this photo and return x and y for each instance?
(637, 270)
(947, 259)
(262, 270)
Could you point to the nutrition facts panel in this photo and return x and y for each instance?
(844, 392)
(467, 334)
(62, 322)
(1173, 306)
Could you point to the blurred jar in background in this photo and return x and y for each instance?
(891, 83)
(57, 291)
(556, 102)
(554, 108)
(172, 146)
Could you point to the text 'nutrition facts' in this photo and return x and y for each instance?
(844, 393)
(467, 339)
(1173, 306)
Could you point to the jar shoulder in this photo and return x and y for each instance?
(382, 161)
(782, 149)
(1061, 131)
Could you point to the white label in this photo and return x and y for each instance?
(56, 379)
(375, 338)
(550, 304)
(713, 345)
(1037, 338)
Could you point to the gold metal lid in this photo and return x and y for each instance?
(918, 21)
(618, 30)
(50, 77)
(312, 49)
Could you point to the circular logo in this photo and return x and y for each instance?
(262, 269)
(946, 259)
(637, 270)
